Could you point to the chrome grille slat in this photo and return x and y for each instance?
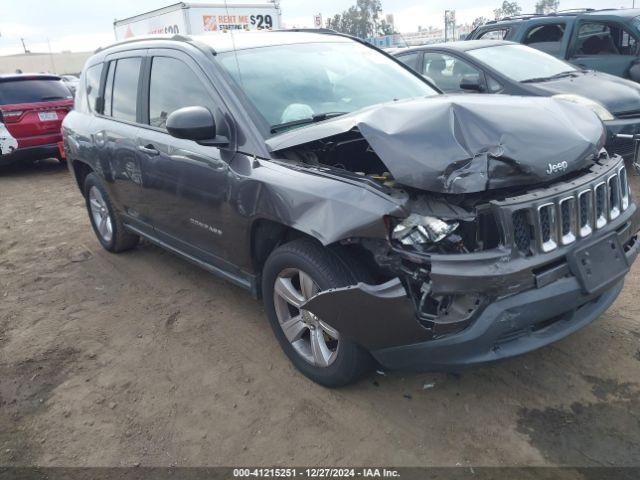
(568, 220)
(615, 206)
(563, 219)
(585, 215)
(548, 231)
(600, 196)
(624, 188)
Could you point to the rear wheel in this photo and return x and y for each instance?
(294, 273)
(106, 222)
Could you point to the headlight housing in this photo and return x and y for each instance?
(597, 108)
(422, 230)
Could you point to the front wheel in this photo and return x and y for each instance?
(294, 273)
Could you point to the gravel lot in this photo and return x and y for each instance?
(142, 358)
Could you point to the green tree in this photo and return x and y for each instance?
(547, 6)
(479, 21)
(361, 20)
(508, 9)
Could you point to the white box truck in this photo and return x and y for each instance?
(198, 18)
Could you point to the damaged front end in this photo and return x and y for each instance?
(495, 254)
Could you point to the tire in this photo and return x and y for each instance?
(111, 234)
(343, 362)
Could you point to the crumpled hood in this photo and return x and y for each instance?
(469, 143)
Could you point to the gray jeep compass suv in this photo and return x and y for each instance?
(379, 220)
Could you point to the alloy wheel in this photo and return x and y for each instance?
(315, 341)
(100, 214)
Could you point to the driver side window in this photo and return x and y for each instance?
(173, 86)
(447, 71)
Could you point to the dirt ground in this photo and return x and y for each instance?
(142, 358)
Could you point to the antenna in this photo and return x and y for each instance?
(233, 43)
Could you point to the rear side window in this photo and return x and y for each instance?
(173, 86)
(410, 59)
(496, 34)
(32, 91)
(547, 38)
(447, 71)
(121, 92)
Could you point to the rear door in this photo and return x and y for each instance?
(116, 131)
(604, 45)
(185, 184)
(33, 108)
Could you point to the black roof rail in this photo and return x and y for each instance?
(144, 38)
(571, 12)
(577, 10)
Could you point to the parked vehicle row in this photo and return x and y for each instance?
(377, 219)
(603, 40)
(500, 67)
(32, 108)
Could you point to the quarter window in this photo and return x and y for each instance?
(92, 86)
(125, 88)
(173, 86)
(496, 34)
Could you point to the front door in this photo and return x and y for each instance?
(185, 184)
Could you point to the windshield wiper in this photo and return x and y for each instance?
(305, 121)
(569, 73)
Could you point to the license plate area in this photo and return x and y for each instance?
(599, 264)
(47, 116)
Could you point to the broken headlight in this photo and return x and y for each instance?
(422, 230)
(597, 108)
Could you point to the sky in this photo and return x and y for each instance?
(84, 25)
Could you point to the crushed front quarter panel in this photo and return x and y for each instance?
(468, 143)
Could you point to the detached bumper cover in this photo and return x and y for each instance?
(382, 319)
(507, 328)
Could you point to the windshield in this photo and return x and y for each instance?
(521, 63)
(314, 81)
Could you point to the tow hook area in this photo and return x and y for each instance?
(374, 316)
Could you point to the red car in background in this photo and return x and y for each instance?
(32, 108)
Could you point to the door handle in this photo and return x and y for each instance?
(149, 150)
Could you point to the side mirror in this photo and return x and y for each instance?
(471, 83)
(197, 124)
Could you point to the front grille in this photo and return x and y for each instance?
(571, 214)
(624, 147)
(629, 114)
